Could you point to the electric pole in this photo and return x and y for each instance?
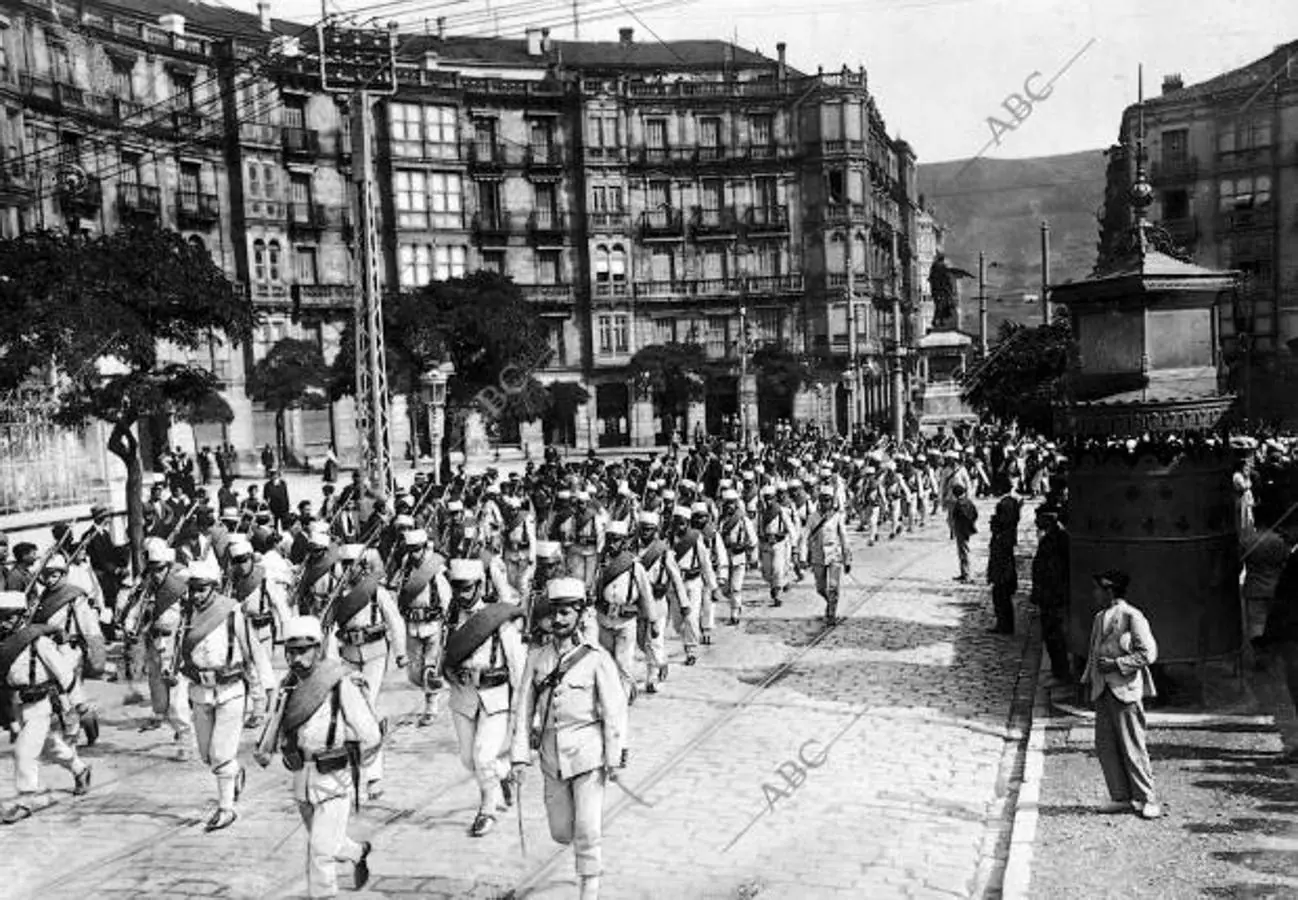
(898, 356)
(853, 363)
(1045, 273)
(360, 64)
(982, 304)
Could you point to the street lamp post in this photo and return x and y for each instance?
(743, 374)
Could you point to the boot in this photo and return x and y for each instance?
(589, 887)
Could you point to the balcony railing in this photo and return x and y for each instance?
(186, 122)
(69, 95)
(549, 225)
(487, 154)
(608, 221)
(139, 199)
(612, 289)
(662, 156)
(759, 285)
(493, 224)
(1249, 158)
(842, 213)
(841, 147)
(710, 153)
(767, 219)
(606, 154)
(301, 143)
(544, 156)
(773, 284)
(713, 222)
(196, 209)
(307, 218)
(721, 89)
(324, 296)
(127, 112)
(662, 223)
(1245, 219)
(262, 133)
(37, 87)
(549, 294)
(1164, 171)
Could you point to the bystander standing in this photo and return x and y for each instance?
(963, 516)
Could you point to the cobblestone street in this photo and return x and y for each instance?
(873, 760)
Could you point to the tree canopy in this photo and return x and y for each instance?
(115, 318)
(293, 375)
(675, 372)
(782, 373)
(1022, 376)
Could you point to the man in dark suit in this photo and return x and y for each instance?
(107, 559)
(276, 495)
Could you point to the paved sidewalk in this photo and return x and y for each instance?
(873, 760)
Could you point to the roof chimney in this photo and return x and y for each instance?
(172, 23)
(441, 28)
(1172, 83)
(626, 36)
(783, 66)
(546, 43)
(533, 41)
(263, 14)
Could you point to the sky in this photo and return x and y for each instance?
(939, 69)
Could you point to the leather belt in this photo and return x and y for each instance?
(616, 610)
(354, 637)
(261, 620)
(487, 678)
(38, 692)
(329, 761)
(418, 615)
(214, 677)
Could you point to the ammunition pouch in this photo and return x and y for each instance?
(260, 620)
(488, 678)
(214, 677)
(293, 759)
(534, 739)
(616, 610)
(421, 615)
(432, 680)
(329, 761)
(355, 637)
(37, 693)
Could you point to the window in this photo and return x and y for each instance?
(715, 336)
(712, 193)
(710, 137)
(547, 267)
(300, 197)
(662, 265)
(493, 261)
(182, 91)
(765, 193)
(546, 203)
(1175, 146)
(69, 150)
(542, 134)
(660, 195)
(558, 346)
(123, 85)
(665, 331)
(448, 262)
(423, 132)
(415, 265)
(767, 259)
(448, 204)
(1176, 204)
(714, 264)
(617, 268)
(489, 199)
(274, 274)
(304, 265)
(831, 122)
(440, 132)
(130, 173)
(837, 186)
(762, 130)
(1257, 134)
(1244, 193)
(768, 324)
(259, 262)
(655, 133)
(412, 199)
(604, 131)
(614, 334)
(190, 179)
(602, 273)
(615, 199)
(295, 114)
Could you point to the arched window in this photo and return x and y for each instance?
(259, 262)
(617, 268)
(601, 265)
(274, 263)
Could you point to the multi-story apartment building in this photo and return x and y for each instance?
(641, 193)
(1223, 162)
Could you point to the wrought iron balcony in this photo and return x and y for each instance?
(261, 133)
(139, 200)
(300, 143)
(1245, 219)
(307, 219)
(549, 294)
(608, 221)
(544, 156)
(842, 147)
(612, 288)
(186, 122)
(842, 213)
(774, 284)
(1170, 171)
(720, 222)
(324, 296)
(708, 153)
(485, 154)
(127, 112)
(666, 224)
(767, 219)
(493, 225)
(548, 226)
(662, 156)
(195, 209)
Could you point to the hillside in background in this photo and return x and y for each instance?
(997, 206)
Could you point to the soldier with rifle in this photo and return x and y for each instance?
(39, 671)
(518, 545)
(155, 616)
(622, 598)
(368, 628)
(483, 663)
(549, 566)
(317, 579)
(326, 730)
(219, 655)
(423, 600)
(697, 576)
(664, 578)
(739, 537)
(53, 600)
(266, 613)
(571, 710)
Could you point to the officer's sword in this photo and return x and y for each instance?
(518, 802)
(632, 794)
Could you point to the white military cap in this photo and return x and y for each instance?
(781, 485)
(686, 484)
(768, 490)
(416, 537)
(564, 494)
(826, 491)
(352, 552)
(795, 483)
(950, 454)
(681, 512)
(616, 528)
(466, 570)
(581, 495)
(230, 513)
(549, 550)
(12, 601)
(57, 563)
(455, 506)
(653, 484)
(152, 544)
(700, 509)
(159, 554)
(748, 474)
(565, 588)
(649, 518)
(239, 548)
(669, 494)
(301, 630)
(404, 522)
(890, 465)
(493, 488)
(625, 489)
(725, 483)
(730, 494)
(207, 569)
(902, 457)
(318, 539)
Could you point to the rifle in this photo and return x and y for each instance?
(268, 741)
(172, 675)
(175, 531)
(34, 586)
(349, 579)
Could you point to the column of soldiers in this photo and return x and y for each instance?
(503, 598)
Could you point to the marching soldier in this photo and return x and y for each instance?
(582, 554)
(572, 710)
(828, 551)
(318, 576)
(701, 520)
(518, 541)
(67, 608)
(326, 729)
(739, 538)
(265, 611)
(775, 534)
(697, 576)
(622, 598)
(664, 578)
(423, 600)
(41, 672)
(483, 662)
(218, 654)
(549, 566)
(160, 622)
(368, 627)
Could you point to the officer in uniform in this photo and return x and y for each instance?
(265, 611)
(326, 730)
(160, 621)
(483, 662)
(664, 578)
(423, 600)
(622, 598)
(572, 710)
(775, 533)
(828, 551)
(219, 654)
(740, 540)
(41, 672)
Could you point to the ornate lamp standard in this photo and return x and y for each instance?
(432, 386)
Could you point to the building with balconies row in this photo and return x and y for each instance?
(640, 193)
(1223, 163)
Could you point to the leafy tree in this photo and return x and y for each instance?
(566, 400)
(1023, 374)
(114, 315)
(675, 373)
(781, 373)
(293, 375)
